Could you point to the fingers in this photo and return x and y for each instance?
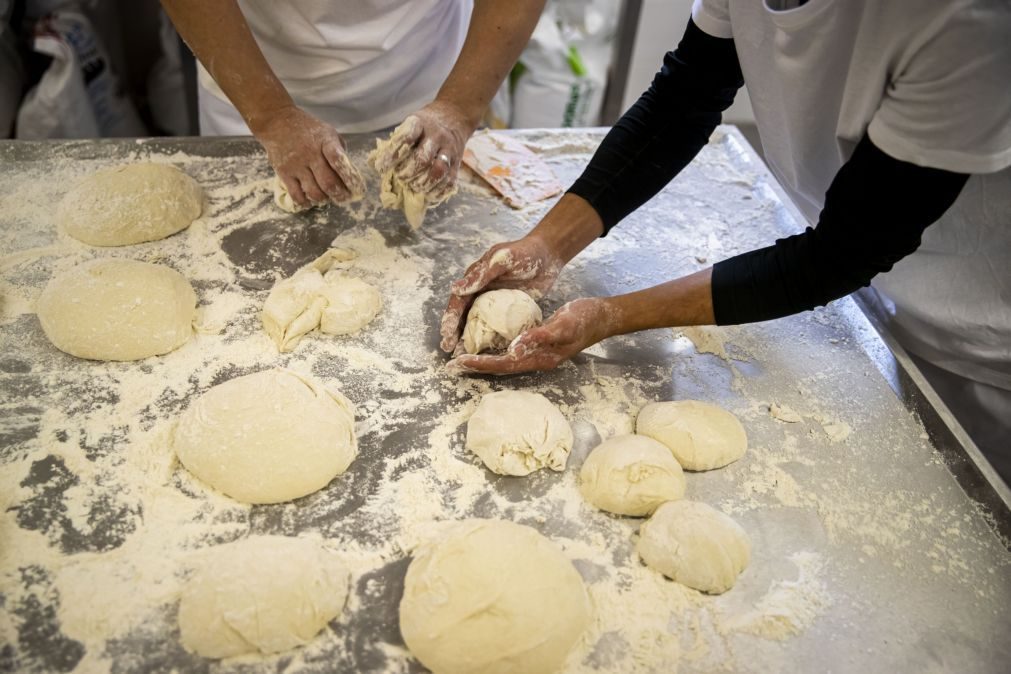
(328, 181)
(350, 178)
(401, 144)
(507, 363)
(451, 326)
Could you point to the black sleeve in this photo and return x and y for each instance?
(875, 212)
(666, 127)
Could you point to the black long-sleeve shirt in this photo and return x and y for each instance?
(875, 209)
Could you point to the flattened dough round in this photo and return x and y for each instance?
(496, 318)
(263, 594)
(492, 597)
(351, 304)
(695, 545)
(114, 309)
(700, 435)
(631, 475)
(130, 204)
(267, 437)
(517, 432)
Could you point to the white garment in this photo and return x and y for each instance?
(930, 82)
(359, 65)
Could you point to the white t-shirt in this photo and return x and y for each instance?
(930, 82)
(360, 65)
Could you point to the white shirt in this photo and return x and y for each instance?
(360, 65)
(930, 82)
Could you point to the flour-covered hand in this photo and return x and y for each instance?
(427, 151)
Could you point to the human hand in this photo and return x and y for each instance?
(309, 158)
(574, 327)
(528, 264)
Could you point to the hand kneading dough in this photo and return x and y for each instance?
(262, 594)
(701, 436)
(492, 597)
(496, 318)
(631, 475)
(517, 432)
(114, 309)
(318, 296)
(695, 545)
(267, 437)
(130, 204)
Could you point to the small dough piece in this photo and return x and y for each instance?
(317, 296)
(700, 435)
(695, 545)
(497, 317)
(492, 597)
(263, 594)
(631, 475)
(267, 437)
(283, 200)
(112, 309)
(130, 204)
(517, 432)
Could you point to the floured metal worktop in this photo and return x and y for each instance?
(867, 554)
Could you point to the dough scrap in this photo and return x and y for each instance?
(496, 318)
(113, 309)
(695, 545)
(267, 437)
(263, 594)
(130, 204)
(318, 296)
(518, 432)
(700, 435)
(492, 597)
(631, 475)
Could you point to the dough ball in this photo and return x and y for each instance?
(130, 204)
(267, 437)
(631, 475)
(695, 545)
(496, 318)
(261, 594)
(113, 309)
(351, 304)
(492, 597)
(517, 432)
(701, 436)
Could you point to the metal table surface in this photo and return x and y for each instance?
(913, 567)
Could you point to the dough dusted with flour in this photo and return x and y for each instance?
(130, 204)
(267, 437)
(695, 545)
(492, 597)
(631, 475)
(318, 296)
(518, 432)
(112, 309)
(700, 435)
(496, 318)
(263, 594)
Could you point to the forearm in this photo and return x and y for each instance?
(497, 34)
(684, 301)
(570, 226)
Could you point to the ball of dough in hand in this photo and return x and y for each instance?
(263, 594)
(695, 545)
(496, 318)
(700, 435)
(492, 597)
(113, 309)
(631, 475)
(517, 432)
(267, 437)
(130, 204)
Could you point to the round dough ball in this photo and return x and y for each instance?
(496, 318)
(130, 204)
(267, 437)
(517, 432)
(351, 305)
(701, 436)
(115, 309)
(492, 596)
(695, 545)
(261, 594)
(631, 475)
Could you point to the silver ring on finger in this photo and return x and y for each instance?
(445, 157)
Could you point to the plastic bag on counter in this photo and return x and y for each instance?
(78, 95)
